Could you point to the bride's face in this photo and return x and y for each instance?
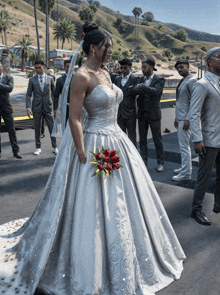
(104, 53)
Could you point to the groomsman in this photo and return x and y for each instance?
(183, 97)
(6, 110)
(204, 116)
(42, 87)
(127, 109)
(150, 89)
(59, 89)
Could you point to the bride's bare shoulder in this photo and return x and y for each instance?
(81, 76)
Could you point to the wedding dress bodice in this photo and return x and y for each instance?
(102, 108)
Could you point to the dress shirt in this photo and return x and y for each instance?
(124, 80)
(148, 81)
(1, 77)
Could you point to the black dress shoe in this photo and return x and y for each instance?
(16, 155)
(216, 209)
(42, 135)
(200, 218)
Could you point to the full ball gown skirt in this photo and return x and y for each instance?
(93, 235)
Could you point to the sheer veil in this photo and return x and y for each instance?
(60, 120)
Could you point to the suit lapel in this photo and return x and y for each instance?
(213, 83)
(46, 81)
(153, 81)
(129, 82)
(177, 88)
(37, 82)
(4, 79)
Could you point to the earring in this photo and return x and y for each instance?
(93, 53)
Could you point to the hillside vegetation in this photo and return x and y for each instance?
(151, 42)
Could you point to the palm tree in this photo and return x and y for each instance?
(5, 22)
(1, 31)
(36, 26)
(23, 49)
(64, 30)
(137, 12)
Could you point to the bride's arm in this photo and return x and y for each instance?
(78, 90)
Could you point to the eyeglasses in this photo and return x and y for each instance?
(145, 67)
(123, 68)
(217, 57)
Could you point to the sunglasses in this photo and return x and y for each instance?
(123, 68)
(180, 67)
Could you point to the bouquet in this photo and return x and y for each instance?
(106, 161)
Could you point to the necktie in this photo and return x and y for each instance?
(41, 80)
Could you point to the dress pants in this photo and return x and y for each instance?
(37, 125)
(130, 126)
(144, 122)
(9, 122)
(185, 150)
(211, 157)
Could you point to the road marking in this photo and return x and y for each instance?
(20, 118)
(20, 86)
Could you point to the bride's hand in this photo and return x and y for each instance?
(82, 157)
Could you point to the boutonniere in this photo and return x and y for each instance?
(105, 161)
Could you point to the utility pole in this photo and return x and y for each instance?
(47, 35)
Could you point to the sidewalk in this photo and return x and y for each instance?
(22, 183)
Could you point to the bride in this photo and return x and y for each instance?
(92, 235)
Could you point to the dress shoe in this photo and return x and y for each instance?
(177, 171)
(55, 151)
(181, 177)
(200, 218)
(216, 208)
(42, 135)
(16, 155)
(160, 168)
(37, 152)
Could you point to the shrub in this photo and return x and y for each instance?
(148, 16)
(181, 35)
(145, 23)
(167, 53)
(161, 28)
(203, 48)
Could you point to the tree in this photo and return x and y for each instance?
(1, 31)
(90, 1)
(93, 7)
(137, 12)
(86, 14)
(64, 30)
(46, 6)
(5, 22)
(23, 50)
(97, 3)
(118, 21)
(36, 27)
(181, 35)
(148, 16)
(125, 54)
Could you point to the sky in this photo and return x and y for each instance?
(200, 15)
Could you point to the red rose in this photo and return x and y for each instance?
(100, 167)
(98, 158)
(106, 153)
(106, 159)
(113, 153)
(110, 172)
(115, 159)
(108, 167)
(115, 166)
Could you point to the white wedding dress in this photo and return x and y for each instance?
(93, 235)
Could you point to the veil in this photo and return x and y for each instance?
(60, 120)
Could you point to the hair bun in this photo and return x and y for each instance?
(89, 27)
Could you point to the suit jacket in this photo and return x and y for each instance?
(42, 100)
(5, 88)
(59, 88)
(183, 97)
(149, 97)
(127, 108)
(204, 114)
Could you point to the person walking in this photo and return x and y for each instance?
(181, 123)
(127, 109)
(204, 119)
(42, 87)
(6, 110)
(150, 89)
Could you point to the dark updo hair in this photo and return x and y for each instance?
(93, 36)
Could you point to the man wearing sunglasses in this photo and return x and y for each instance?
(150, 89)
(183, 97)
(204, 116)
(127, 108)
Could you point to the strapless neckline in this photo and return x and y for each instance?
(99, 85)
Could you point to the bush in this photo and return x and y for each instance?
(148, 16)
(181, 35)
(145, 23)
(167, 53)
(161, 28)
(203, 48)
(187, 57)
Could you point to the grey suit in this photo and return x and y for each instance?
(183, 97)
(6, 110)
(42, 105)
(204, 118)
